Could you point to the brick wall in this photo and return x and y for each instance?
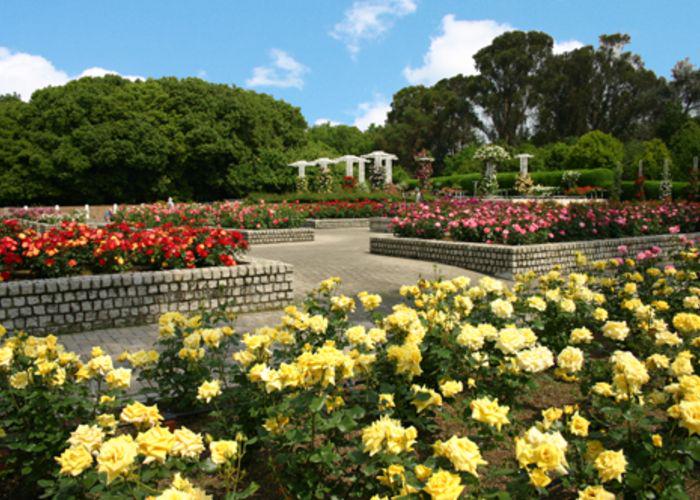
(82, 303)
(505, 261)
(380, 224)
(336, 223)
(267, 236)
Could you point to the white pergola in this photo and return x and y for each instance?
(350, 161)
(323, 163)
(301, 165)
(383, 159)
(523, 157)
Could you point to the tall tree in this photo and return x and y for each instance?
(686, 86)
(505, 89)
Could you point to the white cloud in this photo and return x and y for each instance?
(324, 121)
(24, 73)
(202, 73)
(452, 52)
(566, 46)
(372, 112)
(97, 72)
(369, 19)
(284, 72)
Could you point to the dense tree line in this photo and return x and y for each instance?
(101, 140)
(108, 139)
(526, 97)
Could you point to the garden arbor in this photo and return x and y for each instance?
(382, 161)
(350, 161)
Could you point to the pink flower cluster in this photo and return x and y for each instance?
(530, 223)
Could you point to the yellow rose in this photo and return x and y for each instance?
(223, 451)
(116, 456)
(140, 415)
(209, 390)
(462, 452)
(539, 478)
(88, 436)
(119, 378)
(74, 461)
(155, 444)
(20, 380)
(570, 359)
(451, 387)
(187, 444)
(422, 472)
(488, 411)
(6, 355)
(657, 440)
(595, 493)
(444, 485)
(611, 465)
(578, 425)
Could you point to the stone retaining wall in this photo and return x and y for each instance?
(380, 224)
(83, 303)
(336, 223)
(267, 236)
(506, 261)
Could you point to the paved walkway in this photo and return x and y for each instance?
(335, 252)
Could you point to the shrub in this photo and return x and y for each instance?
(595, 150)
(685, 145)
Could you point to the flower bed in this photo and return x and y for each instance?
(86, 303)
(563, 386)
(73, 249)
(530, 223)
(254, 216)
(507, 261)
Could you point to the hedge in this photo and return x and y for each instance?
(600, 177)
(652, 190)
(312, 197)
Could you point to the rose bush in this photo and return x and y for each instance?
(73, 248)
(530, 223)
(558, 386)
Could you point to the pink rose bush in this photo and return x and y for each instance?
(510, 223)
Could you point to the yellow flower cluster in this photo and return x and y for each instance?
(387, 434)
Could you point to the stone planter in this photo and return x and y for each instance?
(505, 261)
(380, 224)
(83, 303)
(336, 223)
(268, 236)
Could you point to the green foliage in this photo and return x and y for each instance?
(600, 177)
(685, 145)
(313, 196)
(653, 154)
(100, 140)
(595, 149)
(343, 139)
(652, 190)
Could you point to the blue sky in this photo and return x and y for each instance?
(337, 60)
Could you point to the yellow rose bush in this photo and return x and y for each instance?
(45, 391)
(583, 385)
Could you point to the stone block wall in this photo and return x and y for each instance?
(83, 303)
(505, 261)
(267, 236)
(336, 223)
(380, 224)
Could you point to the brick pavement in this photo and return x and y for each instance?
(335, 252)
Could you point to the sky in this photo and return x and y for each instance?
(340, 61)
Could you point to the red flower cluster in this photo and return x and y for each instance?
(529, 223)
(75, 248)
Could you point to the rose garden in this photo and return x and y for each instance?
(536, 332)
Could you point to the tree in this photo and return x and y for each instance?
(100, 140)
(440, 119)
(653, 154)
(605, 89)
(343, 139)
(685, 145)
(596, 149)
(686, 86)
(504, 88)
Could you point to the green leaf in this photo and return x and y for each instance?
(317, 403)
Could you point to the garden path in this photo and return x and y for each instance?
(335, 252)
